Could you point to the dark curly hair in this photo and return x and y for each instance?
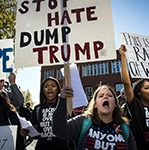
(137, 86)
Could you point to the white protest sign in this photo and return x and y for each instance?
(58, 31)
(6, 57)
(8, 135)
(27, 125)
(137, 54)
(79, 98)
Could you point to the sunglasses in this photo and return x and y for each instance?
(1, 81)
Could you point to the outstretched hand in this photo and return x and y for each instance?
(66, 92)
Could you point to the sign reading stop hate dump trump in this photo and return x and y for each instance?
(51, 32)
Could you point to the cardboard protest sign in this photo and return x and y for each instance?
(137, 54)
(6, 57)
(8, 136)
(58, 31)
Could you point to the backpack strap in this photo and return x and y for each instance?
(126, 131)
(85, 126)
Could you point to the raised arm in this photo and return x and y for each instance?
(63, 128)
(16, 96)
(125, 75)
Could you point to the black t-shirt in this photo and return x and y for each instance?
(107, 136)
(42, 116)
(140, 124)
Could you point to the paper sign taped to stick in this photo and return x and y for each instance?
(137, 54)
(8, 135)
(79, 99)
(53, 32)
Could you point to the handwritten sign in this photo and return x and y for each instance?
(137, 54)
(8, 137)
(6, 57)
(58, 31)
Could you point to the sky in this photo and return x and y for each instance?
(128, 16)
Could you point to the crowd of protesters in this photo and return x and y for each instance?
(107, 122)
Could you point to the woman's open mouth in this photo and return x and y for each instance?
(105, 104)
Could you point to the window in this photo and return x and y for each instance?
(84, 74)
(106, 68)
(95, 69)
(119, 87)
(116, 65)
(59, 74)
(88, 70)
(102, 68)
(48, 73)
(99, 70)
(89, 92)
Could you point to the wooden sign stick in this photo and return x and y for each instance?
(68, 83)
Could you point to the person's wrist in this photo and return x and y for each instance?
(60, 95)
(123, 55)
(12, 83)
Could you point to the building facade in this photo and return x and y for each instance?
(92, 74)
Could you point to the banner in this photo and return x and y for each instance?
(58, 31)
(6, 57)
(137, 54)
